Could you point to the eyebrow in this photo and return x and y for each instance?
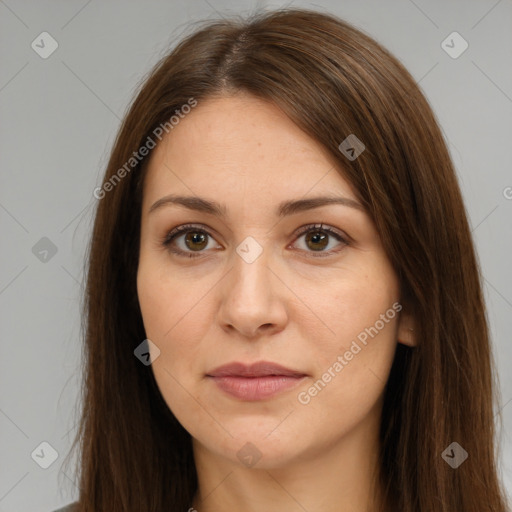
(284, 209)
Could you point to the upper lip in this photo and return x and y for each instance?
(259, 369)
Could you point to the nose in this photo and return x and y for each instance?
(252, 299)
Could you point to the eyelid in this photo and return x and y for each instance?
(332, 231)
(323, 227)
(174, 233)
(184, 228)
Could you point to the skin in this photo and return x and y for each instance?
(288, 306)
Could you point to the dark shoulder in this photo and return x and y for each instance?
(68, 508)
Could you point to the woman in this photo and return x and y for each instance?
(283, 305)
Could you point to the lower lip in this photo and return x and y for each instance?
(256, 388)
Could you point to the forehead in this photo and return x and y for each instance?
(241, 143)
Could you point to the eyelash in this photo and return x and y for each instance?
(185, 228)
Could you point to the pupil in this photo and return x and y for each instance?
(317, 238)
(196, 238)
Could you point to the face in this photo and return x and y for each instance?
(306, 286)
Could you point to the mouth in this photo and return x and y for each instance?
(256, 381)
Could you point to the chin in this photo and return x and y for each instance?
(255, 446)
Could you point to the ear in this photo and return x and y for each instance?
(406, 334)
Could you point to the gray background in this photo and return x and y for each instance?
(59, 119)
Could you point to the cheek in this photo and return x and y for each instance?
(353, 361)
(168, 300)
(175, 320)
(168, 325)
(351, 309)
(347, 388)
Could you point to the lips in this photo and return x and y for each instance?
(260, 369)
(256, 381)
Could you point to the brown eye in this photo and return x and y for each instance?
(317, 238)
(196, 240)
(187, 240)
(191, 241)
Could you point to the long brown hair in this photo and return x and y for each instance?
(332, 80)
